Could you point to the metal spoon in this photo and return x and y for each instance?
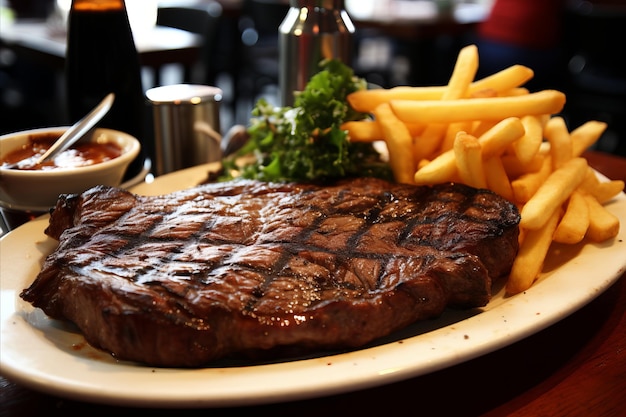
(75, 132)
(79, 129)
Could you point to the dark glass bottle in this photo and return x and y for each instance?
(102, 58)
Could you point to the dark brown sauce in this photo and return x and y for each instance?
(82, 154)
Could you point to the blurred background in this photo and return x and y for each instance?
(572, 45)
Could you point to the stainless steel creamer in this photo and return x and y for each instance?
(312, 30)
(186, 125)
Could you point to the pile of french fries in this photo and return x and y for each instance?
(493, 133)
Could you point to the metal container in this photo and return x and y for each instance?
(311, 31)
(186, 126)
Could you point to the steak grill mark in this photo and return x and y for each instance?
(231, 269)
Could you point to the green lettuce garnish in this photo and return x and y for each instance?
(305, 142)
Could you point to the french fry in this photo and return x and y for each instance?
(367, 100)
(429, 141)
(531, 256)
(603, 225)
(528, 145)
(586, 135)
(451, 132)
(495, 140)
(497, 108)
(552, 193)
(602, 191)
(462, 74)
(469, 161)
(575, 221)
(369, 131)
(518, 91)
(489, 92)
(481, 126)
(422, 163)
(526, 185)
(496, 177)
(560, 141)
(363, 131)
(605, 191)
(493, 133)
(439, 170)
(398, 140)
(516, 168)
(504, 80)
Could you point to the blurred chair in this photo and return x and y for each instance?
(203, 18)
(597, 69)
(259, 54)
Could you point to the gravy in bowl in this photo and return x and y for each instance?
(81, 154)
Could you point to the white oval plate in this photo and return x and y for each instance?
(53, 357)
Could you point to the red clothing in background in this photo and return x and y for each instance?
(525, 23)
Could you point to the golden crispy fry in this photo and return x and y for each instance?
(429, 141)
(452, 131)
(586, 135)
(519, 91)
(492, 133)
(439, 170)
(369, 131)
(481, 126)
(605, 191)
(552, 193)
(511, 77)
(525, 186)
(560, 141)
(399, 144)
(416, 129)
(498, 138)
(489, 92)
(602, 191)
(497, 108)
(527, 147)
(469, 161)
(575, 221)
(515, 168)
(422, 163)
(462, 74)
(367, 100)
(363, 131)
(603, 225)
(590, 181)
(497, 180)
(531, 255)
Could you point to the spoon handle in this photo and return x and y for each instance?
(77, 130)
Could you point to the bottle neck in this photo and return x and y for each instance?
(322, 4)
(98, 5)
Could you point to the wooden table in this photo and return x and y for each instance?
(37, 41)
(576, 367)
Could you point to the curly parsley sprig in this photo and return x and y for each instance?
(306, 142)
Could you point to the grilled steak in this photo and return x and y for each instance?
(233, 269)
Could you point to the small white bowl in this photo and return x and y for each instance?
(38, 190)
